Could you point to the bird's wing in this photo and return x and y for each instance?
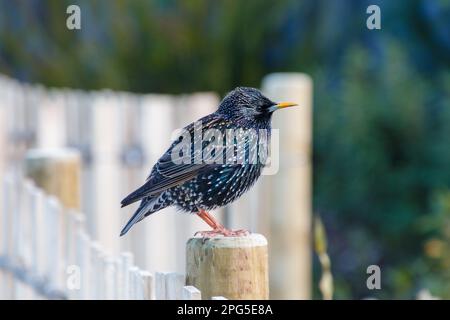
(167, 174)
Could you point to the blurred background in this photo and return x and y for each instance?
(381, 104)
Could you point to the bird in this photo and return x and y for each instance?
(212, 162)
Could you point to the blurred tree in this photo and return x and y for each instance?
(437, 247)
(376, 165)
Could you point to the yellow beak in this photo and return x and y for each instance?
(282, 105)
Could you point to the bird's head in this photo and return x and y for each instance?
(250, 104)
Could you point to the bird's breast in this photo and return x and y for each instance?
(226, 183)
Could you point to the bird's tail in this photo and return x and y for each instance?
(136, 195)
(147, 207)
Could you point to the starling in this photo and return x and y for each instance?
(212, 162)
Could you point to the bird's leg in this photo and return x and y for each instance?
(207, 218)
(218, 229)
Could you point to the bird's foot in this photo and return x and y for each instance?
(223, 232)
(237, 233)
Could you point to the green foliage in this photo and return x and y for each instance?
(437, 247)
(381, 149)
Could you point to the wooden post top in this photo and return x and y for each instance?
(54, 153)
(58, 172)
(252, 240)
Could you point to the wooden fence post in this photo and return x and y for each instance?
(17, 213)
(133, 285)
(157, 121)
(54, 242)
(127, 264)
(139, 285)
(174, 285)
(160, 285)
(149, 285)
(83, 261)
(110, 279)
(106, 170)
(233, 267)
(191, 293)
(28, 238)
(289, 214)
(7, 279)
(3, 137)
(119, 278)
(75, 227)
(50, 124)
(40, 230)
(96, 274)
(57, 172)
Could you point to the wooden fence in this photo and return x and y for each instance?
(47, 253)
(120, 136)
